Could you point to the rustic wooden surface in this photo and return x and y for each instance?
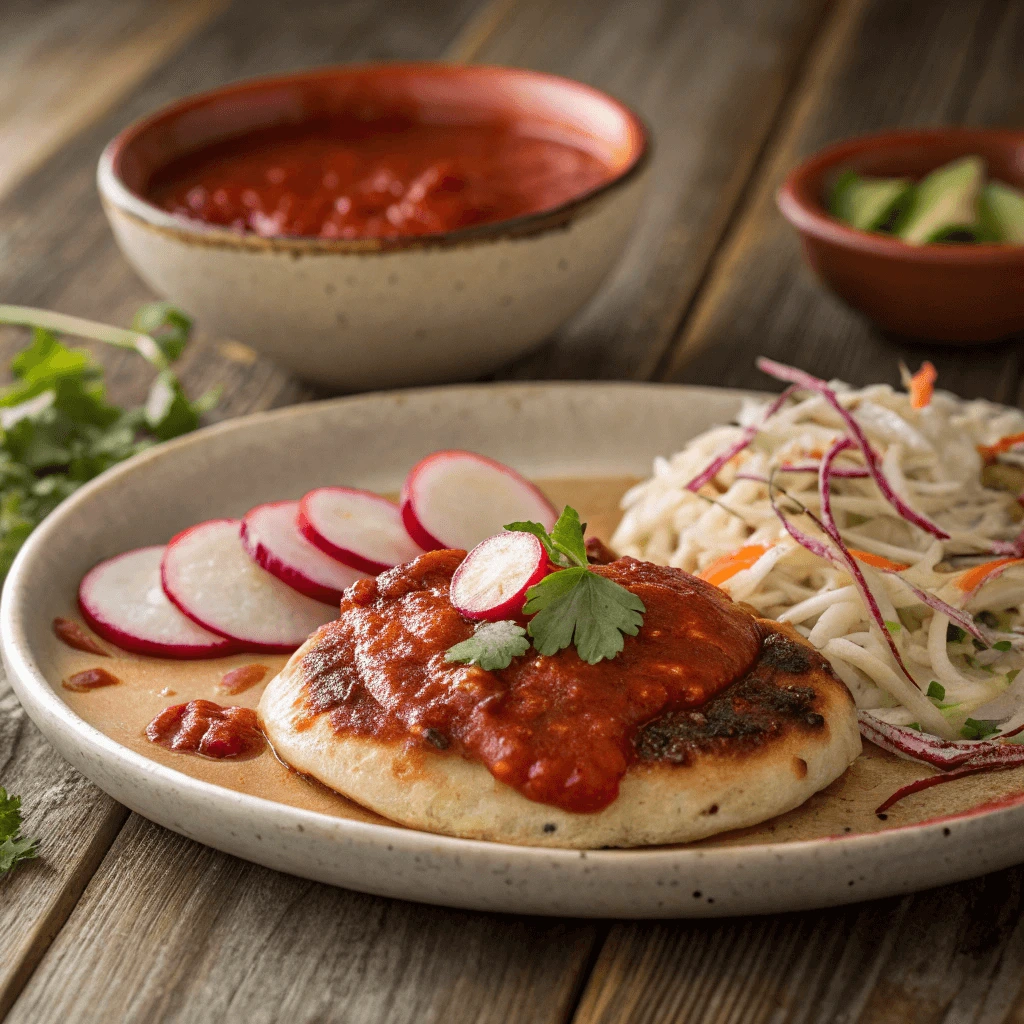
(121, 920)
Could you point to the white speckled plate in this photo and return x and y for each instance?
(833, 850)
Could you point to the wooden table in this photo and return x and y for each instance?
(120, 920)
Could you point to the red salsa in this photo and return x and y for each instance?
(203, 727)
(556, 729)
(376, 179)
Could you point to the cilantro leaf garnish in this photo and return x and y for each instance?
(936, 690)
(13, 847)
(57, 429)
(492, 646)
(575, 605)
(579, 606)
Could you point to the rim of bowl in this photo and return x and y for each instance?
(799, 198)
(116, 193)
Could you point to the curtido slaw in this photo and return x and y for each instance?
(885, 526)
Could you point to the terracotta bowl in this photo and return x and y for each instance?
(953, 293)
(356, 314)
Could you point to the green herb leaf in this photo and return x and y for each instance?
(565, 544)
(936, 690)
(893, 627)
(57, 429)
(567, 537)
(978, 729)
(915, 725)
(1002, 645)
(167, 326)
(954, 634)
(492, 646)
(579, 606)
(1011, 675)
(13, 847)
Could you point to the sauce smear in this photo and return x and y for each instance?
(90, 679)
(377, 179)
(71, 633)
(556, 729)
(203, 727)
(238, 680)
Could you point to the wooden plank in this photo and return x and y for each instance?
(709, 78)
(952, 954)
(759, 299)
(75, 824)
(175, 932)
(65, 62)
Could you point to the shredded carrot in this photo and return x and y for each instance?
(973, 578)
(727, 566)
(989, 452)
(922, 385)
(878, 561)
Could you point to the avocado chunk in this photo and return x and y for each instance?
(1002, 213)
(945, 204)
(868, 204)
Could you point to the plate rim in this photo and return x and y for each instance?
(46, 708)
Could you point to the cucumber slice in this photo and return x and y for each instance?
(946, 201)
(1002, 213)
(868, 204)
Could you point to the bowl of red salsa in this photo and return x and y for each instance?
(380, 225)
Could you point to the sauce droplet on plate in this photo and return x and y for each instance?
(212, 730)
(71, 633)
(90, 679)
(242, 678)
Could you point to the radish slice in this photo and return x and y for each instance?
(123, 602)
(271, 536)
(455, 499)
(208, 575)
(359, 528)
(492, 581)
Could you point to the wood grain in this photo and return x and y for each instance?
(709, 78)
(174, 932)
(65, 62)
(909, 62)
(952, 954)
(75, 824)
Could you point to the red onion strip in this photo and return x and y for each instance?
(921, 746)
(810, 383)
(937, 780)
(963, 619)
(748, 435)
(828, 524)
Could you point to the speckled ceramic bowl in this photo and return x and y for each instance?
(378, 313)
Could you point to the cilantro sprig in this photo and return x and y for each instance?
(14, 847)
(571, 606)
(57, 429)
(493, 645)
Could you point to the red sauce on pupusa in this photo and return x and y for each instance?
(556, 729)
(385, 178)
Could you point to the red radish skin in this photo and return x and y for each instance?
(456, 499)
(122, 601)
(359, 528)
(271, 535)
(208, 575)
(492, 581)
